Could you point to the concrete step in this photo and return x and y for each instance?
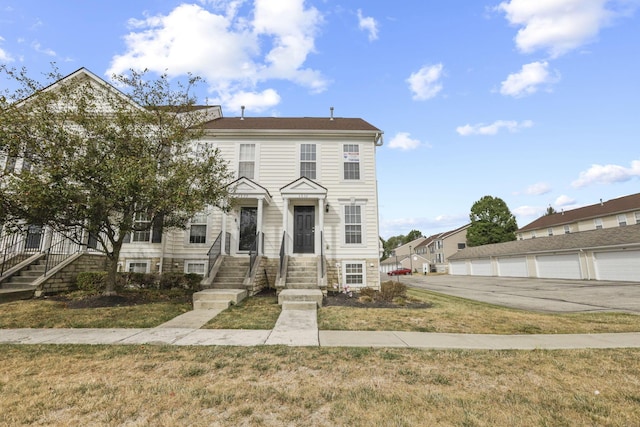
(301, 285)
(31, 273)
(8, 295)
(12, 285)
(299, 305)
(300, 295)
(217, 298)
(21, 280)
(211, 305)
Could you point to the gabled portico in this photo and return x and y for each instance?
(251, 199)
(304, 204)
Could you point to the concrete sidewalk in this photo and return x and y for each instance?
(309, 337)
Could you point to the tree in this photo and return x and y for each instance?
(393, 242)
(550, 210)
(99, 157)
(491, 222)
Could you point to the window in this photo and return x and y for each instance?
(439, 258)
(354, 273)
(138, 267)
(622, 220)
(598, 223)
(519, 236)
(198, 228)
(462, 245)
(438, 244)
(308, 160)
(142, 223)
(352, 224)
(567, 229)
(533, 234)
(194, 268)
(351, 161)
(550, 231)
(637, 217)
(247, 161)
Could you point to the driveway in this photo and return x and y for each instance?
(550, 295)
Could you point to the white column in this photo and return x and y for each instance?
(259, 226)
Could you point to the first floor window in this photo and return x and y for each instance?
(354, 274)
(138, 267)
(353, 224)
(198, 228)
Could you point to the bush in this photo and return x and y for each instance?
(390, 290)
(139, 280)
(369, 293)
(92, 281)
(180, 281)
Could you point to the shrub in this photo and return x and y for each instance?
(390, 290)
(369, 292)
(139, 280)
(92, 281)
(180, 281)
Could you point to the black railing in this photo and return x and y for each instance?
(284, 236)
(253, 252)
(214, 252)
(59, 251)
(323, 261)
(16, 247)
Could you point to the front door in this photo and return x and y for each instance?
(304, 226)
(248, 222)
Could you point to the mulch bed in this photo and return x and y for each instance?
(122, 299)
(343, 300)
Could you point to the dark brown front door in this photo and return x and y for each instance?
(303, 239)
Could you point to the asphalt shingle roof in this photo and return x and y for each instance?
(291, 123)
(608, 237)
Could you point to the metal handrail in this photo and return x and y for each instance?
(284, 235)
(14, 245)
(253, 252)
(323, 263)
(214, 252)
(59, 251)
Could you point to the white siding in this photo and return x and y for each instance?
(619, 265)
(559, 266)
(512, 267)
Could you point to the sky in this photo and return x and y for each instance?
(534, 102)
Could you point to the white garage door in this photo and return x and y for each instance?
(458, 268)
(559, 266)
(481, 267)
(513, 267)
(621, 265)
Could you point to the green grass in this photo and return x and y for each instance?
(259, 312)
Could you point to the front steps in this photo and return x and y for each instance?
(302, 273)
(219, 299)
(231, 273)
(19, 286)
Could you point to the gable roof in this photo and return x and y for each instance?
(291, 123)
(610, 207)
(622, 237)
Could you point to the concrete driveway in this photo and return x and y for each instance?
(550, 295)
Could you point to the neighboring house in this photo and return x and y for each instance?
(437, 249)
(611, 213)
(305, 197)
(602, 254)
(399, 257)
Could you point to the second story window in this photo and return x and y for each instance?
(247, 161)
(598, 223)
(622, 220)
(351, 161)
(550, 231)
(308, 160)
(637, 214)
(141, 223)
(567, 229)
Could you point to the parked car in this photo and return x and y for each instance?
(400, 272)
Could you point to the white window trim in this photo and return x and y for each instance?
(622, 218)
(363, 228)
(550, 231)
(637, 216)
(256, 160)
(318, 157)
(364, 273)
(597, 223)
(139, 261)
(195, 262)
(187, 231)
(342, 162)
(150, 230)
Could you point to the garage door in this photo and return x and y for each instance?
(513, 267)
(481, 267)
(559, 266)
(458, 268)
(621, 265)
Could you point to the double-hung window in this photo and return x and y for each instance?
(353, 224)
(622, 220)
(247, 161)
(351, 161)
(198, 228)
(354, 273)
(598, 223)
(142, 225)
(308, 160)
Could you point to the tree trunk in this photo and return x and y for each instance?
(112, 271)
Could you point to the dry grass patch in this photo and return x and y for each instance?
(136, 309)
(274, 386)
(257, 312)
(450, 314)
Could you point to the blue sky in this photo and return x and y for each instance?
(535, 102)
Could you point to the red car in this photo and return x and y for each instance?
(400, 272)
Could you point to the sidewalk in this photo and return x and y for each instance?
(240, 337)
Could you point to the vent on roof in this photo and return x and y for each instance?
(331, 110)
(242, 112)
(601, 204)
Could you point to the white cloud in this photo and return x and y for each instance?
(4, 55)
(538, 189)
(256, 101)
(564, 200)
(403, 141)
(528, 79)
(528, 211)
(425, 83)
(38, 48)
(607, 174)
(368, 24)
(233, 53)
(559, 26)
(493, 128)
